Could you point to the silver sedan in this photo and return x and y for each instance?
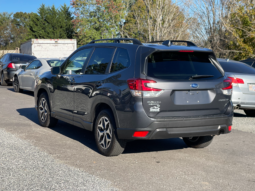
(243, 81)
(25, 77)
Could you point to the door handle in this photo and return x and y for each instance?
(31, 74)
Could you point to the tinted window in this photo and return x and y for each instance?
(237, 67)
(75, 63)
(34, 65)
(181, 65)
(121, 60)
(99, 61)
(22, 58)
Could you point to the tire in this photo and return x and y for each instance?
(250, 113)
(198, 142)
(3, 82)
(16, 86)
(105, 128)
(44, 113)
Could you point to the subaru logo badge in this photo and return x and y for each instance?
(194, 85)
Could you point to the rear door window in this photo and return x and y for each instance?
(22, 58)
(237, 67)
(171, 65)
(99, 61)
(121, 60)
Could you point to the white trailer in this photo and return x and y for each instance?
(49, 48)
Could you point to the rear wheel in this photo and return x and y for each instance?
(44, 113)
(16, 86)
(250, 113)
(3, 82)
(198, 142)
(105, 134)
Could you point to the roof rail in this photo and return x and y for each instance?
(117, 40)
(170, 42)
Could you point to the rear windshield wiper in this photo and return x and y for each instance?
(200, 76)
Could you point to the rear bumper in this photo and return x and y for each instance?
(9, 74)
(180, 128)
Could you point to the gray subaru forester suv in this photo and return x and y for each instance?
(130, 91)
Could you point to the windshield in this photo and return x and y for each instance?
(171, 65)
(54, 63)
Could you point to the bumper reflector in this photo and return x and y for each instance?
(140, 133)
(229, 128)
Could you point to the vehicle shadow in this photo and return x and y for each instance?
(87, 138)
(24, 92)
(240, 115)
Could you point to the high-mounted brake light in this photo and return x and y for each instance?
(236, 80)
(186, 51)
(11, 65)
(227, 90)
(140, 133)
(138, 87)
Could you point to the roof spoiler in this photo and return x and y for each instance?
(170, 42)
(117, 40)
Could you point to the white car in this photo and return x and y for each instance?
(25, 77)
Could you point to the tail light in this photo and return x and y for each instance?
(139, 88)
(229, 128)
(227, 90)
(11, 65)
(236, 80)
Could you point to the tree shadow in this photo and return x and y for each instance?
(87, 138)
(24, 92)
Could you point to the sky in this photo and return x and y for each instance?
(13, 6)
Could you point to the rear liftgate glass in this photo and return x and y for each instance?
(182, 84)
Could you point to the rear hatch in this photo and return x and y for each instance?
(184, 84)
(18, 60)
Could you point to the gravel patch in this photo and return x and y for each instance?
(243, 122)
(24, 167)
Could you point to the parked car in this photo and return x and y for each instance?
(10, 63)
(25, 77)
(249, 61)
(138, 91)
(243, 77)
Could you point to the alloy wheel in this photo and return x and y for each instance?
(104, 132)
(43, 109)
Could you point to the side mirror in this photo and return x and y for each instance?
(23, 67)
(55, 70)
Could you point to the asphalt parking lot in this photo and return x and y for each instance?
(66, 158)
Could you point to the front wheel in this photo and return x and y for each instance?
(198, 142)
(105, 134)
(250, 113)
(44, 113)
(16, 86)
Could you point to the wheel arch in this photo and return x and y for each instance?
(104, 104)
(43, 90)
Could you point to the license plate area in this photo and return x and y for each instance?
(251, 87)
(193, 97)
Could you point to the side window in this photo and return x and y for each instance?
(99, 61)
(34, 65)
(121, 60)
(74, 64)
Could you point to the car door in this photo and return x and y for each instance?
(89, 85)
(63, 95)
(28, 77)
